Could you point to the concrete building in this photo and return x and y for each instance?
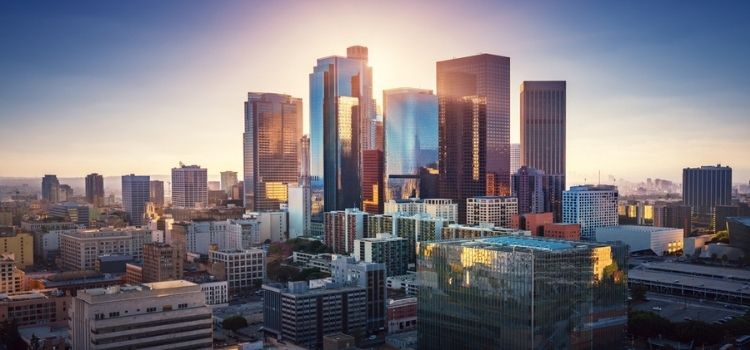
(169, 315)
(242, 269)
(414, 228)
(591, 207)
(534, 222)
(435, 207)
(299, 210)
(346, 271)
(343, 227)
(389, 250)
(189, 187)
(706, 187)
(525, 292)
(198, 236)
(41, 306)
(674, 215)
(216, 292)
(80, 249)
(272, 225)
(568, 232)
(136, 191)
(298, 314)
(21, 245)
(402, 315)
(95, 189)
(406, 283)
(228, 180)
(12, 279)
(162, 262)
(497, 211)
(515, 158)
(660, 240)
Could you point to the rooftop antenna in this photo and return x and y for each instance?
(599, 181)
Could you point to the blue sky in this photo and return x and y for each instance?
(121, 87)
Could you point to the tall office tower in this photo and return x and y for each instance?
(706, 187)
(494, 210)
(511, 292)
(385, 249)
(304, 160)
(674, 215)
(591, 207)
(515, 158)
(543, 122)
(372, 181)
(65, 193)
(135, 194)
(379, 135)
(346, 271)
(95, 189)
(271, 143)
(189, 187)
(162, 262)
(410, 120)
(50, 188)
(340, 105)
(476, 90)
(156, 192)
(228, 179)
(303, 316)
(172, 314)
(343, 227)
(529, 186)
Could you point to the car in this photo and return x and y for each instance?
(656, 308)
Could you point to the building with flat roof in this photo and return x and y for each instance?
(80, 249)
(136, 191)
(21, 245)
(242, 269)
(660, 240)
(497, 211)
(346, 271)
(435, 207)
(40, 306)
(591, 207)
(402, 315)
(296, 313)
(189, 186)
(739, 232)
(170, 315)
(343, 227)
(385, 249)
(414, 228)
(11, 277)
(71, 212)
(568, 232)
(162, 262)
(515, 292)
(706, 187)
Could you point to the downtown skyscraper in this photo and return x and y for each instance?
(474, 128)
(189, 187)
(706, 187)
(95, 189)
(410, 118)
(271, 149)
(543, 122)
(50, 188)
(341, 111)
(135, 194)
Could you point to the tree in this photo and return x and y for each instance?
(234, 323)
(34, 342)
(648, 324)
(638, 292)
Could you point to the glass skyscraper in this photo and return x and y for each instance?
(543, 120)
(341, 111)
(516, 292)
(271, 149)
(135, 194)
(410, 118)
(95, 189)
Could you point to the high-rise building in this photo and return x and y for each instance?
(156, 193)
(135, 193)
(738, 228)
(591, 207)
(474, 126)
(414, 228)
(346, 271)
(198, 236)
(722, 212)
(65, 193)
(95, 189)
(228, 179)
(343, 227)
(162, 262)
(511, 292)
(674, 215)
(386, 249)
(301, 315)
(171, 314)
(341, 109)
(515, 158)
(21, 245)
(189, 187)
(494, 210)
(50, 188)
(706, 187)
(410, 121)
(271, 144)
(299, 210)
(530, 187)
(543, 122)
(372, 181)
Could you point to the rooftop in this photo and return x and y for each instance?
(637, 228)
(745, 220)
(524, 242)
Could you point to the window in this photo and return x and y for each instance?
(151, 309)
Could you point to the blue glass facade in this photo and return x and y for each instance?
(410, 121)
(341, 107)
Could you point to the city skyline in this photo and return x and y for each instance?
(619, 78)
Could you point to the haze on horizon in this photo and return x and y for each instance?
(136, 87)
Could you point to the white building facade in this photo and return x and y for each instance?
(591, 207)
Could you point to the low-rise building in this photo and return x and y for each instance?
(21, 245)
(240, 268)
(660, 240)
(168, 315)
(385, 249)
(402, 315)
(493, 210)
(570, 232)
(79, 250)
(11, 277)
(72, 281)
(34, 307)
(406, 283)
